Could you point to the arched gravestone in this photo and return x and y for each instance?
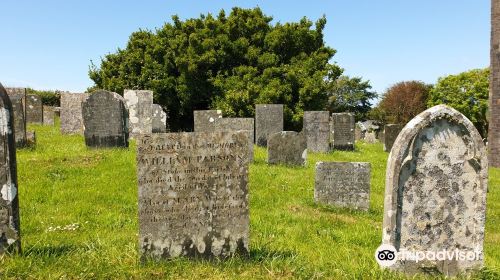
(9, 204)
(436, 184)
(105, 120)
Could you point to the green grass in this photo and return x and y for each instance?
(79, 220)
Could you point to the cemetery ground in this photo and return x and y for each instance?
(79, 220)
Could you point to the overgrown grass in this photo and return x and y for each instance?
(79, 220)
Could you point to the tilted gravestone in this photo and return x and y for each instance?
(435, 197)
(204, 120)
(343, 184)
(342, 127)
(391, 132)
(48, 115)
(316, 126)
(71, 112)
(140, 107)
(268, 120)
(34, 109)
(105, 120)
(159, 121)
(193, 194)
(237, 124)
(10, 240)
(287, 147)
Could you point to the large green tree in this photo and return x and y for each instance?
(225, 62)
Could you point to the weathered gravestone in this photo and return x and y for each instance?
(268, 120)
(391, 132)
(48, 115)
(342, 126)
(19, 121)
(435, 197)
(159, 121)
(71, 112)
(204, 120)
(371, 137)
(193, 194)
(316, 126)
(10, 240)
(287, 147)
(237, 124)
(34, 109)
(140, 107)
(343, 184)
(105, 120)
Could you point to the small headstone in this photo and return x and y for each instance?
(342, 126)
(435, 197)
(30, 138)
(358, 133)
(140, 107)
(391, 132)
(71, 112)
(10, 239)
(48, 115)
(287, 147)
(238, 124)
(193, 194)
(159, 121)
(105, 120)
(268, 120)
(316, 126)
(343, 184)
(204, 120)
(34, 109)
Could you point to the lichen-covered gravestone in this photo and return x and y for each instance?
(71, 112)
(19, 120)
(391, 132)
(316, 126)
(204, 120)
(287, 147)
(159, 121)
(10, 240)
(34, 109)
(48, 115)
(238, 124)
(193, 194)
(105, 120)
(435, 197)
(140, 107)
(268, 120)
(342, 127)
(343, 184)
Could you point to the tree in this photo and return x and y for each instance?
(468, 93)
(225, 62)
(351, 95)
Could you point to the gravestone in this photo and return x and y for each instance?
(140, 107)
(358, 133)
(342, 127)
(435, 197)
(193, 194)
(19, 121)
(391, 132)
(30, 138)
(71, 112)
(105, 120)
(343, 184)
(57, 111)
(34, 109)
(287, 147)
(204, 120)
(316, 126)
(371, 137)
(48, 115)
(268, 120)
(237, 124)
(159, 121)
(10, 239)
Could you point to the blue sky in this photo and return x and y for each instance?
(49, 44)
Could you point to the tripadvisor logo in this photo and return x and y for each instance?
(386, 255)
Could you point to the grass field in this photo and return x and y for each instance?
(79, 220)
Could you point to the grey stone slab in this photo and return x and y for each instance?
(237, 124)
(204, 120)
(342, 127)
(436, 185)
(34, 109)
(193, 194)
(316, 126)
(48, 115)
(19, 121)
(71, 112)
(343, 184)
(287, 147)
(391, 132)
(140, 107)
(159, 121)
(268, 120)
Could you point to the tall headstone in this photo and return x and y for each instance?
(71, 112)
(494, 102)
(193, 194)
(391, 132)
(48, 115)
(287, 147)
(17, 98)
(342, 127)
(204, 120)
(34, 109)
(140, 107)
(105, 120)
(159, 121)
(316, 126)
(343, 184)
(10, 239)
(237, 124)
(268, 120)
(435, 196)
